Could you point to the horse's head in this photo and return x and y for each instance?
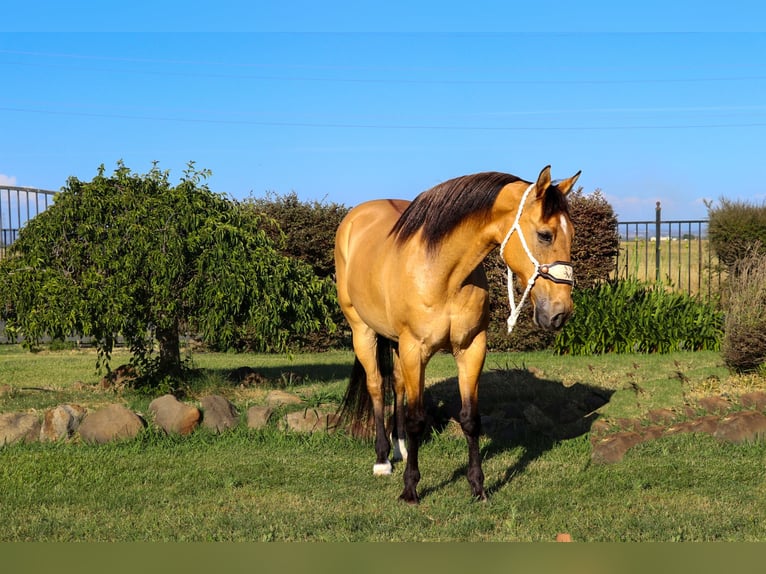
(538, 243)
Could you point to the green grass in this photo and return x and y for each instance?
(268, 485)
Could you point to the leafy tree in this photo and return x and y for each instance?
(135, 256)
(306, 230)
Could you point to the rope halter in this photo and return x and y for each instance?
(558, 271)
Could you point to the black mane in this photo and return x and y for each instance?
(440, 210)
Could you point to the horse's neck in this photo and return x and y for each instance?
(465, 249)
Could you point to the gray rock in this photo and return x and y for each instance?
(310, 420)
(258, 416)
(112, 422)
(61, 422)
(173, 416)
(219, 414)
(279, 398)
(16, 427)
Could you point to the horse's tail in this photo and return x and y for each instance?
(356, 413)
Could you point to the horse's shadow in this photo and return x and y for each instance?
(518, 409)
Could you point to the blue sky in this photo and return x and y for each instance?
(346, 102)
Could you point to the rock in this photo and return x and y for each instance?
(112, 422)
(218, 413)
(717, 405)
(258, 416)
(279, 398)
(755, 400)
(661, 416)
(612, 449)
(61, 422)
(310, 420)
(173, 416)
(707, 424)
(16, 427)
(743, 426)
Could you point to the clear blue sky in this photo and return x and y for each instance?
(346, 102)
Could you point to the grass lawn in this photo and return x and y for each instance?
(268, 485)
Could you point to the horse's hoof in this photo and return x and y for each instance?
(410, 497)
(382, 469)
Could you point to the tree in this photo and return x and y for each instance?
(306, 231)
(135, 256)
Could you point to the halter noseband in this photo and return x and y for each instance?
(558, 271)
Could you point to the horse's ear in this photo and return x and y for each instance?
(566, 185)
(543, 181)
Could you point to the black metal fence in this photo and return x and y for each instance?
(17, 206)
(675, 252)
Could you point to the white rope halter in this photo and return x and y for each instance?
(558, 271)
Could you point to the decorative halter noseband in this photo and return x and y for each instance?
(558, 271)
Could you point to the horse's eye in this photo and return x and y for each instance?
(545, 236)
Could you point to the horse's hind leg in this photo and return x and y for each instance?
(469, 363)
(366, 349)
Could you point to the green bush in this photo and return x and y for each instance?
(629, 316)
(305, 230)
(744, 342)
(735, 228)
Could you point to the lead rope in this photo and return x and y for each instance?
(516, 310)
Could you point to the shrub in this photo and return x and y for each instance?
(629, 316)
(735, 228)
(744, 343)
(597, 240)
(306, 231)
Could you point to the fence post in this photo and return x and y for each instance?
(657, 234)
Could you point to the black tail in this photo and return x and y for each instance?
(356, 410)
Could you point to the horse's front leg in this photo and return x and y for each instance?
(412, 368)
(399, 431)
(470, 361)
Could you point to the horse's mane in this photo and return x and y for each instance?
(439, 210)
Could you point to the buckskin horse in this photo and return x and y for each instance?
(410, 280)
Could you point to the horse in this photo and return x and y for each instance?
(410, 283)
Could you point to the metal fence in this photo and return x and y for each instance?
(17, 206)
(675, 252)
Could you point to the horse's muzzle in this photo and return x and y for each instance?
(551, 316)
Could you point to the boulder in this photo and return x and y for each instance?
(173, 416)
(112, 422)
(310, 420)
(612, 448)
(279, 398)
(745, 426)
(258, 416)
(61, 422)
(715, 405)
(16, 427)
(754, 400)
(218, 413)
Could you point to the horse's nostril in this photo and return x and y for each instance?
(558, 320)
